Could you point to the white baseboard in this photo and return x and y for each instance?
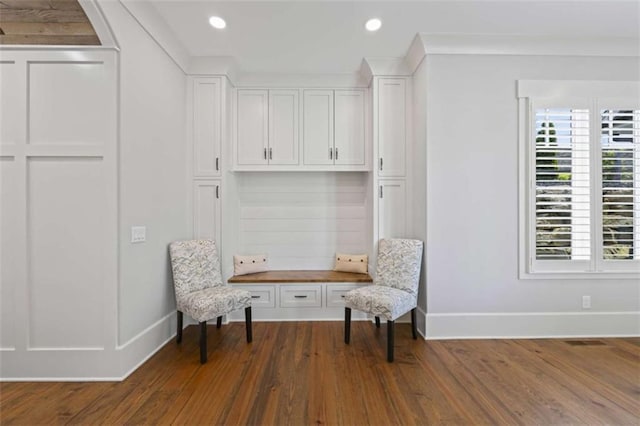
(87, 364)
(143, 346)
(532, 325)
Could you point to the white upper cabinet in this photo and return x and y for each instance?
(326, 127)
(349, 127)
(267, 127)
(318, 127)
(283, 127)
(252, 127)
(392, 127)
(334, 128)
(207, 132)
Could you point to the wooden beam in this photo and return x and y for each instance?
(47, 29)
(71, 40)
(45, 22)
(40, 4)
(41, 15)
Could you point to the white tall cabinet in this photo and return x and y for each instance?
(392, 124)
(392, 208)
(208, 129)
(207, 126)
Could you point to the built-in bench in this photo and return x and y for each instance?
(298, 295)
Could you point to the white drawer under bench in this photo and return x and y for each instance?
(298, 295)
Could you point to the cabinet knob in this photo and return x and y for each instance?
(270, 153)
(380, 163)
(330, 153)
(265, 153)
(336, 153)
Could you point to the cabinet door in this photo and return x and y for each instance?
(349, 127)
(392, 217)
(392, 129)
(252, 127)
(283, 127)
(206, 210)
(318, 127)
(206, 127)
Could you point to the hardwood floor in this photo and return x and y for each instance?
(303, 373)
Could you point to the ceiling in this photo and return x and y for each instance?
(48, 22)
(329, 36)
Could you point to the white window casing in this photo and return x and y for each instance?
(579, 179)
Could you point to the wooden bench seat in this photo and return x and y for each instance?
(290, 276)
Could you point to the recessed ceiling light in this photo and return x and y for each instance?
(217, 22)
(373, 24)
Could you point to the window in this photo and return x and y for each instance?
(580, 179)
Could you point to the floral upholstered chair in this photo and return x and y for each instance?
(200, 292)
(394, 291)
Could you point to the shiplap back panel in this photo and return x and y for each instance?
(302, 219)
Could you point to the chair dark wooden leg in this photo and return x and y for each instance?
(347, 325)
(414, 330)
(390, 327)
(377, 322)
(219, 322)
(203, 342)
(179, 330)
(247, 320)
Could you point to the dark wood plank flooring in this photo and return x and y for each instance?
(302, 373)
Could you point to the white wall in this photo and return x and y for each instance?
(472, 206)
(152, 184)
(302, 219)
(70, 193)
(58, 213)
(419, 178)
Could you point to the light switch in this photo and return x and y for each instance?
(138, 234)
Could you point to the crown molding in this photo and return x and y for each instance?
(365, 72)
(213, 65)
(493, 44)
(387, 66)
(416, 53)
(285, 80)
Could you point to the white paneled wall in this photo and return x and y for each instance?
(58, 217)
(302, 219)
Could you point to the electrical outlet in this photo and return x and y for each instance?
(138, 234)
(586, 302)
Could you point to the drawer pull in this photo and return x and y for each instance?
(342, 295)
(300, 296)
(255, 297)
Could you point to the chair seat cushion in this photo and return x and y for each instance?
(381, 301)
(212, 302)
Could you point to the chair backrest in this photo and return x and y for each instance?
(195, 266)
(399, 262)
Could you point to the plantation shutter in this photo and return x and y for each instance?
(620, 150)
(562, 184)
